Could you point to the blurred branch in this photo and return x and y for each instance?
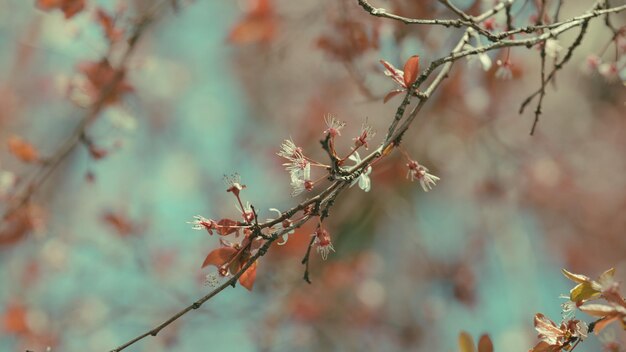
(542, 89)
(560, 64)
(394, 135)
(381, 12)
(78, 134)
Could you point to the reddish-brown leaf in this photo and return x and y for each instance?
(543, 346)
(23, 150)
(108, 25)
(248, 277)
(219, 256)
(48, 4)
(14, 319)
(485, 344)
(18, 224)
(97, 153)
(226, 227)
(600, 325)
(546, 327)
(257, 26)
(121, 223)
(392, 94)
(411, 69)
(69, 7)
(105, 80)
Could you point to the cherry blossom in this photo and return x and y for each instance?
(420, 173)
(300, 173)
(233, 182)
(334, 126)
(554, 338)
(363, 180)
(323, 243)
(246, 212)
(289, 150)
(367, 133)
(553, 48)
(202, 223)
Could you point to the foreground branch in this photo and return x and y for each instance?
(342, 178)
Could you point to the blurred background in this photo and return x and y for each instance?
(102, 251)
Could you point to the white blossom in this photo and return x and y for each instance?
(420, 173)
(289, 150)
(363, 180)
(553, 48)
(334, 125)
(285, 224)
(504, 70)
(483, 58)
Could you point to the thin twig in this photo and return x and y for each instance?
(542, 89)
(325, 199)
(306, 259)
(78, 133)
(381, 12)
(559, 65)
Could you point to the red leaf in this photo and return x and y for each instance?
(411, 69)
(600, 325)
(219, 257)
(546, 327)
(69, 7)
(121, 223)
(18, 224)
(227, 226)
(22, 150)
(392, 94)
(108, 25)
(543, 346)
(14, 319)
(48, 4)
(97, 153)
(257, 26)
(393, 72)
(248, 277)
(104, 79)
(485, 344)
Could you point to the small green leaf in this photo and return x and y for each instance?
(583, 291)
(466, 343)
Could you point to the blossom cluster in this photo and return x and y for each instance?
(299, 165)
(241, 240)
(583, 297)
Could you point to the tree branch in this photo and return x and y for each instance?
(325, 200)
